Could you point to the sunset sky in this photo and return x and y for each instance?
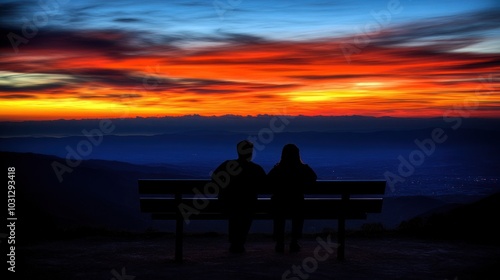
(115, 59)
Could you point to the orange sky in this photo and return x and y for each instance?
(63, 80)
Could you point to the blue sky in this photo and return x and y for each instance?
(271, 19)
(201, 22)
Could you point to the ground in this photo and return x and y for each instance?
(141, 257)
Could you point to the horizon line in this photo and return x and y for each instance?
(250, 116)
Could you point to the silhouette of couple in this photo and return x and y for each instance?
(287, 180)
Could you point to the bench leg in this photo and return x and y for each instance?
(341, 240)
(179, 234)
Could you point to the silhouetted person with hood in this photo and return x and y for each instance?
(288, 179)
(239, 180)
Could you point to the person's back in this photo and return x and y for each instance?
(288, 180)
(238, 193)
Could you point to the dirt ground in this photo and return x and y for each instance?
(206, 257)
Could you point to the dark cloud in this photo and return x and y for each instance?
(250, 61)
(12, 10)
(148, 82)
(336, 77)
(127, 20)
(113, 43)
(100, 77)
(204, 86)
(265, 96)
(272, 86)
(109, 96)
(211, 91)
(239, 38)
(16, 96)
(485, 65)
(442, 33)
(112, 77)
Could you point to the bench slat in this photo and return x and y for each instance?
(261, 216)
(312, 207)
(330, 187)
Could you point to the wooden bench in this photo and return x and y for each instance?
(185, 200)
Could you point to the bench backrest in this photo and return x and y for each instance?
(326, 199)
(325, 187)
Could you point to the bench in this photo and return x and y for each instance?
(184, 200)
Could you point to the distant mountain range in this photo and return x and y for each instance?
(240, 124)
(221, 144)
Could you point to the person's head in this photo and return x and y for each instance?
(245, 150)
(290, 155)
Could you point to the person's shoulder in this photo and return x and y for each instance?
(309, 171)
(255, 165)
(254, 168)
(224, 162)
(276, 167)
(307, 166)
(275, 170)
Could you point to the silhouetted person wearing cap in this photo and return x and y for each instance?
(239, 179)
(288, 179)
